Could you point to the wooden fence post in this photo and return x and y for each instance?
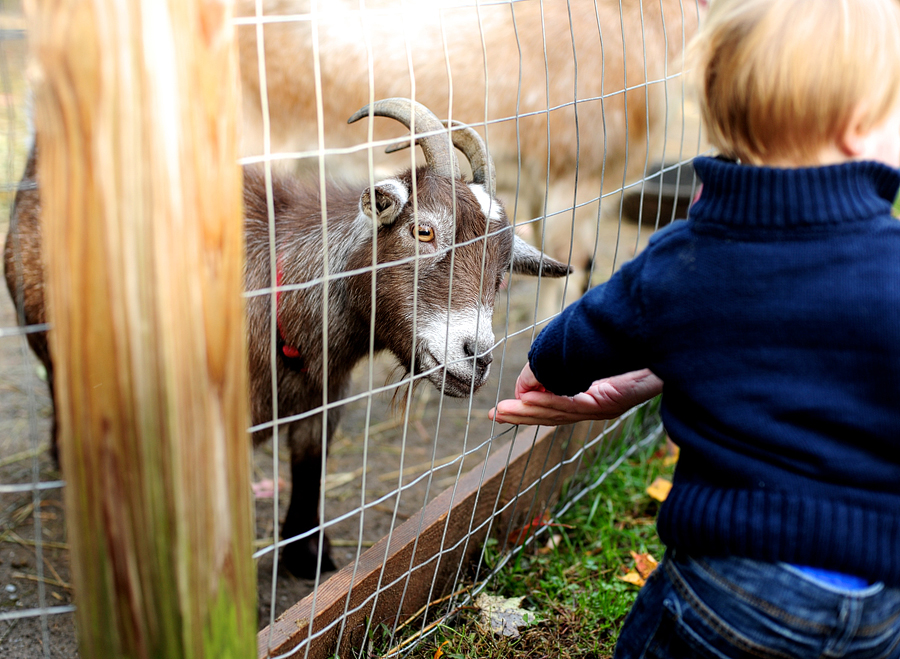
(136, 115)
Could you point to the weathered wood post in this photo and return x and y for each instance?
(136, 114)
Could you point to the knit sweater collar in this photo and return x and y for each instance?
(769, 198)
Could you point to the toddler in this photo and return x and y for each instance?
(772, 315)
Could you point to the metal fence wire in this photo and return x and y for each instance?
(582, 107)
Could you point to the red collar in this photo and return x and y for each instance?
(287, 350)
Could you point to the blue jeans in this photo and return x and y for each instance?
(736, 608)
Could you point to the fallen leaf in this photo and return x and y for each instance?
(502, 615)
(554, 542)
(440, 651)
(672, 453)
(659, 489)
(644, 564)
(520, 535)
(632, 577)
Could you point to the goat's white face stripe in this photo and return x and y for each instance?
(489, 206)
(445, 335)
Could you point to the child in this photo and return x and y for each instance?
(772, 315)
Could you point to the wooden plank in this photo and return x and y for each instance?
(136, 116)
(416, 545)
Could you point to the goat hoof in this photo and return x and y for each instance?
(300, 558)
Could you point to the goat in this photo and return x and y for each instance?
(439, 332)
(563, 92)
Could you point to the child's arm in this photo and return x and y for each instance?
(600, 335)
(605, 399)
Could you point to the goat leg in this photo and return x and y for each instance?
(300, 557)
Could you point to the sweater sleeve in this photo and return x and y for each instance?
(595, 337)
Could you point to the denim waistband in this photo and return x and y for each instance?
(710, 606)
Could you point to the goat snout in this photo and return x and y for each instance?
(482, 361)
(470, 348)
(455, 350)
(477, 357)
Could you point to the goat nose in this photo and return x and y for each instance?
(470, 347)
(483, 361)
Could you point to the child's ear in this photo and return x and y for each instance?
(851, 141)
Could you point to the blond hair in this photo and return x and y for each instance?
(783, 78)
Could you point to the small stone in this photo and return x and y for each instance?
(11, 588)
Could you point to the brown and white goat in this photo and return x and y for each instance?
(562, 92)
(427, 228)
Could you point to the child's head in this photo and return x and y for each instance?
(779, 80)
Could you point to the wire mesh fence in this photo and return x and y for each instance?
(581, 105)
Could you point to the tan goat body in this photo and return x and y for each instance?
(565, 94)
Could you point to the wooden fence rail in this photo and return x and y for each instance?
(396, 577)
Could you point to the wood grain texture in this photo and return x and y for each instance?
(143, 247)
(430, 547)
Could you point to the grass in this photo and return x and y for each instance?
(571, 585)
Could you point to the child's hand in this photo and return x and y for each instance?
(605, 399)
(526, 382)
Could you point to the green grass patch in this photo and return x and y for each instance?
(568, 576)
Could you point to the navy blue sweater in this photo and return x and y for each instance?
(772, 315)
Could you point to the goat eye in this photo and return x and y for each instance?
(423, 233)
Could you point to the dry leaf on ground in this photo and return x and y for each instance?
(644, 564)
(632, 577)
(520, 535)
(659, 489)
(501, 615)
(554, 542)
(440, 651)
(672, 452)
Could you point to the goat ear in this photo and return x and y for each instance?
(390, 198)
(528, 260)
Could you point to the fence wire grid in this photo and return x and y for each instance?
(582, 106)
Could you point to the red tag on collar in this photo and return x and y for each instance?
(290, 351)
(287, 350)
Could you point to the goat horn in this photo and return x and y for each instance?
(438, 153)
(466, 139)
